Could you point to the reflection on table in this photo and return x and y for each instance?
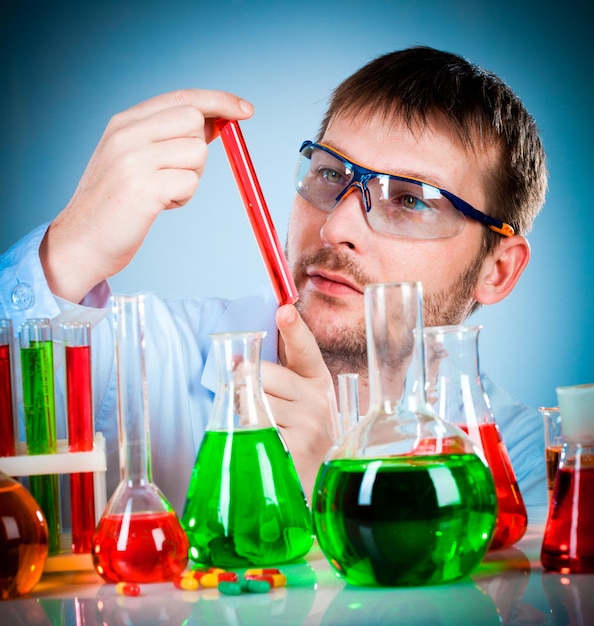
(509, 588)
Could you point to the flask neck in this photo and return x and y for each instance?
(133, 410)
(395, 348)
(240, 401)
(453, 383)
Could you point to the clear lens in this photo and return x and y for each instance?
(403, 207)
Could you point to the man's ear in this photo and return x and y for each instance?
(502, 269)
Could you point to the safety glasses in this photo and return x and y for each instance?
(397, 205)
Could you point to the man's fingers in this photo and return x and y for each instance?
(301, 351)
(210, 103)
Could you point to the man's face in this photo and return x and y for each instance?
(334, 255)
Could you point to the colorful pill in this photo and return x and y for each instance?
(127, 589)
(210, 581)
(275, 580)
(187, 583)
(260, 571)
(230, 588)
(255, 585)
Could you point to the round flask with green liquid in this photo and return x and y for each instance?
(404, 498)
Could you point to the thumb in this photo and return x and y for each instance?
(301, 351)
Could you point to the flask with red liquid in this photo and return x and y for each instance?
(139, 538)
(456, 392)
(568, 542)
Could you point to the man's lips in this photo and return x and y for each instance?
(332, 284)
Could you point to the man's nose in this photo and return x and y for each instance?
(346, 224)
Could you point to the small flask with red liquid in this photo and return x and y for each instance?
(139, 538)
(455, 390)
(568, 542)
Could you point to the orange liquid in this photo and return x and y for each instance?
(140, 547)
(23, 540)
(512, 518)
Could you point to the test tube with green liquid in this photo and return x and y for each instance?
(37, 366)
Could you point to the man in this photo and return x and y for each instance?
(418, 115)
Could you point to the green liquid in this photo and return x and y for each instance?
(37, 364)
(404, 521)
(245, 505)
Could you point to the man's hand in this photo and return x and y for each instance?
(302, 396)
(150, 159)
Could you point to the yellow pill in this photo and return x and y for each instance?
(210, 580)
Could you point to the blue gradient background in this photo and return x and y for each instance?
(67, 67)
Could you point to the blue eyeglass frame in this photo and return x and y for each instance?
(361, 175)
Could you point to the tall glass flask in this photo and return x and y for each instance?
(7, 412)
(455, 390)
(139, 537)
(37, 365)
(403, 499)
(76, 337)
(245, 504)
(568, 542)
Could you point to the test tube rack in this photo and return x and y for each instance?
(64, 462)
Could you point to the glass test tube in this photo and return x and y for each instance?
(257, 210)
(7, 427)
(77, 348)
(348, 399)
(37, 365)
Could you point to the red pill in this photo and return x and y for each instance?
(128, 589)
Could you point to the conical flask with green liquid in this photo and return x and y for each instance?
(245, 504)
(404, 498)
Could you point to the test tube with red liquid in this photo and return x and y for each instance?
(7, 430)
(76, 337)
(257, 211)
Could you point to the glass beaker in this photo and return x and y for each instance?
(139, 537)
(568, 542)
(455, 390)
(23, 539)
(245, 504)
(403, 499)
(553, 436)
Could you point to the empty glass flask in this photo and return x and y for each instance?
(403, 499)
(245, 504)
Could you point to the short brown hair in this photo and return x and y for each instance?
(420, 83)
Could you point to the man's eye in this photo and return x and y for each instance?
(412, 203)
(331, 176)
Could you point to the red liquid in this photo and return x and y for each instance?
(568, 544)
(6, 416)
(260, 220)
(80, 439)
(512, 518)
(140, 548)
